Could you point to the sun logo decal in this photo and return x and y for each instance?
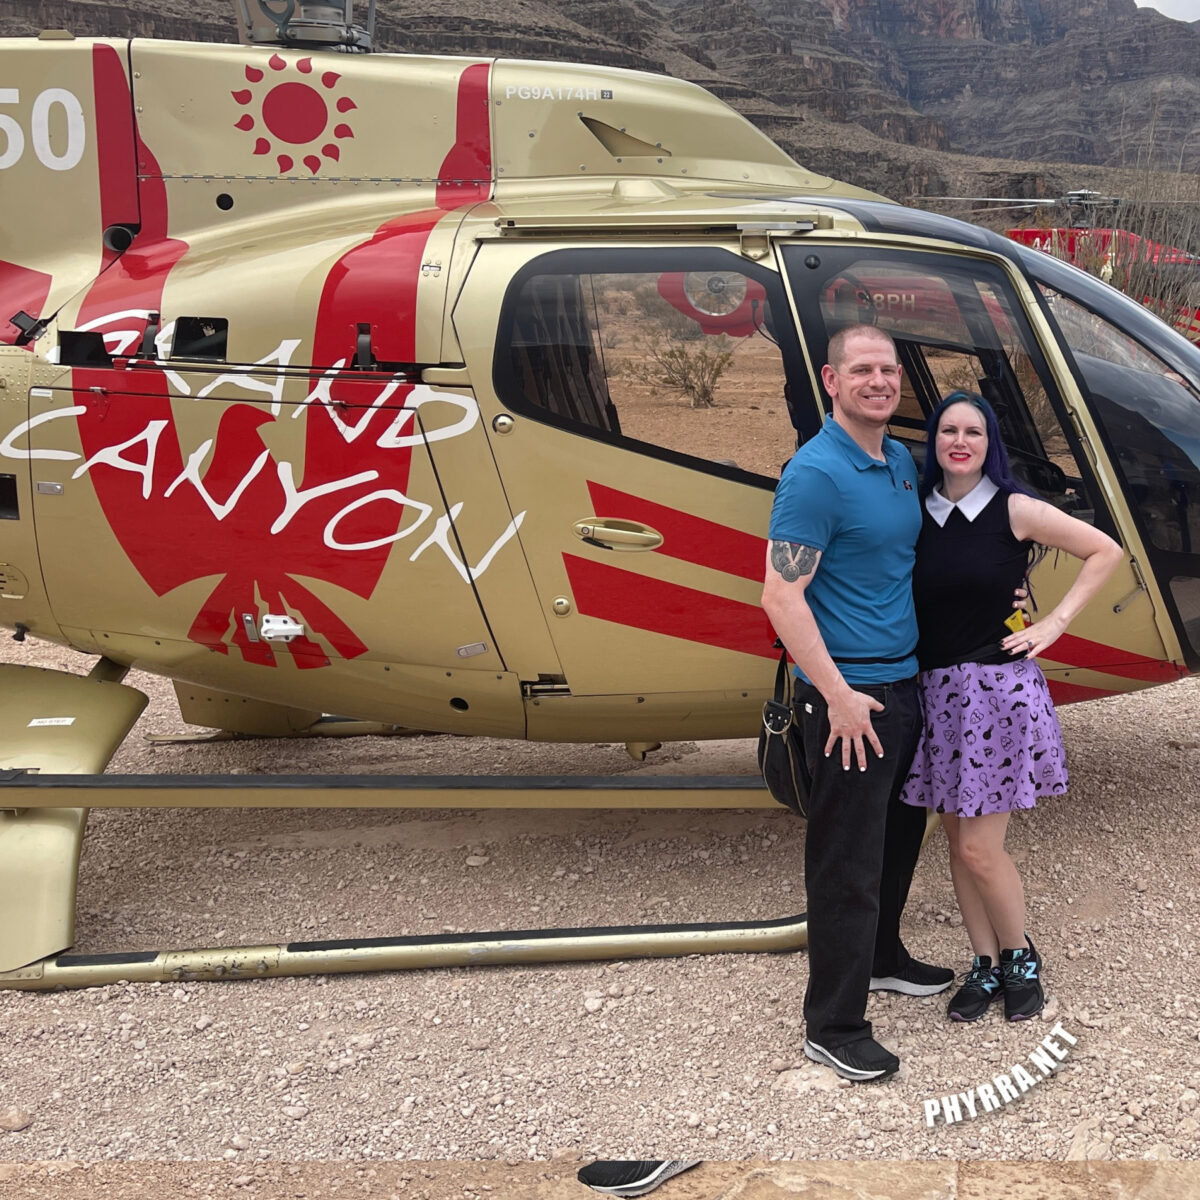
(295, 112)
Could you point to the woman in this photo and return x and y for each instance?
(991, 742)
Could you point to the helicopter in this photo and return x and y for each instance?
(1113, 253)
(405, 388)
(1163, 277)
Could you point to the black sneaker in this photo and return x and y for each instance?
(1022, 974)
(631, 1178)
(981, 985)
(860, 1061)
(914, 979)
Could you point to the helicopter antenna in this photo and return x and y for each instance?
(305, 24)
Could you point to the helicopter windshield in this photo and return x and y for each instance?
(1149, 412)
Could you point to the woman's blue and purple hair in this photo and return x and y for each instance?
(995, 463)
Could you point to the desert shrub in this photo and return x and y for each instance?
(1148, 270)
(691, 367)
(1158, 216)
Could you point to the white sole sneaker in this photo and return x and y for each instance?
(891, 983)
(642, 1183)
(845, 1069)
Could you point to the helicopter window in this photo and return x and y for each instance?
(201, 338)
(8, 499)
(555, 356)
(674, 351)
(1151, 417)
(1041, 455)
(1087, 333)
(1142, 384)
(83, 348)
(956, 324)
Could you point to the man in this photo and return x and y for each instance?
(838, 592)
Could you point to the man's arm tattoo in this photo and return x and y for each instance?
(792, 560)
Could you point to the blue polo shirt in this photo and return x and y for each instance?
(864, 516)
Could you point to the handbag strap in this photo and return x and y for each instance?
(783, 689)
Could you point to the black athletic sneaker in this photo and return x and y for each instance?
(859, 1061)
(915, 979)
(631, 1178)
(1022, 974)
(981, 985)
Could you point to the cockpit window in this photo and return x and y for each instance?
(957, 325)
(1087, 333)
(1150, 417)
(679, 351)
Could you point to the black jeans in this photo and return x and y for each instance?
(859, 854)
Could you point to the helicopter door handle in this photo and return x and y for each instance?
(1125, 601)
(611, 533)
(277, 627)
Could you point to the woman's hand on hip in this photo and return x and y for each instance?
(1034, 640)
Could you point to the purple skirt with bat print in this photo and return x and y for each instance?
(991, 741)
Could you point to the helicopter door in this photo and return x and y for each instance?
(270, 515)
(958, 323)
(637, 414)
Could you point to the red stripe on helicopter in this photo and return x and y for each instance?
(117, 159)
(1063, 692)
(134, 282)
(375, 284)
(137, 279)
(1095, 656)
(638, 602)
(686, 537)
(465, 176)
(21, 290)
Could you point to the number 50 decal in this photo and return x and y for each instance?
(13, 139)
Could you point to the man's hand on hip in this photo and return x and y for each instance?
(850, 723)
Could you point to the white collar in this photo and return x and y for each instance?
(971, 505)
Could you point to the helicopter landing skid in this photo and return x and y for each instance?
(407, 953)
(51, 794)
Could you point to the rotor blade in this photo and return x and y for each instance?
(1002, 208)
(1017, 201)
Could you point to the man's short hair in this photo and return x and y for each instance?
(836, 354)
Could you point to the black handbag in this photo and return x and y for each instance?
(781, 746)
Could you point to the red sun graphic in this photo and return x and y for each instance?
(295, 113)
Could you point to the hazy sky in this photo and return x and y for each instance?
(1181, 10)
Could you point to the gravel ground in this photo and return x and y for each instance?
(755, 1180)
(697, 1057)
